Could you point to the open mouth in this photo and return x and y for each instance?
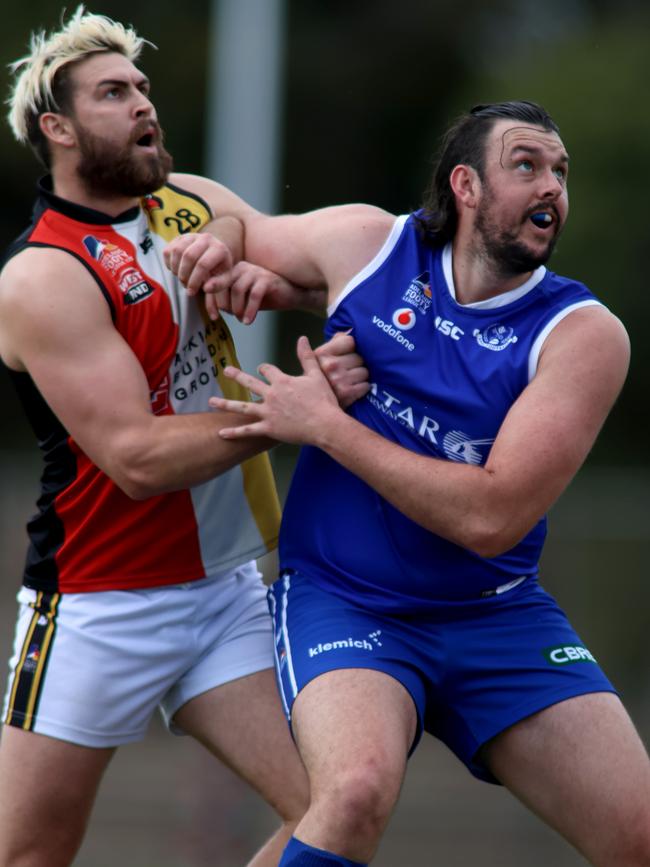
(542, 219)
(146, 140)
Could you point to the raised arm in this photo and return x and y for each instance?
(300, 247)
(213, 261)
(542, 442)
(55, 324)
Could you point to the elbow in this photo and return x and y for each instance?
(135, 484)
(135, 475)
(491, 537)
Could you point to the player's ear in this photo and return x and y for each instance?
(465, 184)
(58, 129)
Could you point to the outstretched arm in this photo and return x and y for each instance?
(542, 442)
(313, 253)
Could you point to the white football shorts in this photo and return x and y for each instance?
(91, 668)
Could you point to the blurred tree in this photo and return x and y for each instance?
(371, 84)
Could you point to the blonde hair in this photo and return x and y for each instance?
(35, 90)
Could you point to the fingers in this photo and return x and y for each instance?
(174, 250)
(247, 291)
(307, 358)
(252, 286)
(241, 407)
(197, 258)
(342, 343)
(212, 306)
(351, 393)
(247, 380)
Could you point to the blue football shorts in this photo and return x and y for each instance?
(473, 670)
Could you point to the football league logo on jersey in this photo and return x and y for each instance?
(110, 256)
(118, 262)
(495, 337)
(419, 292)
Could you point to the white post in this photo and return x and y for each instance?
(245, 61)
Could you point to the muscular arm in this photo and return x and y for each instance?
(324, 247)
(542, 442)
(231, 284)
(299, 247)
(55, 324)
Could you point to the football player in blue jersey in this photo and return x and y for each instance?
(409, 598)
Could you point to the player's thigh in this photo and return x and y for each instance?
(354, 722)
(242, 723)
(581, 766)
(47, 789)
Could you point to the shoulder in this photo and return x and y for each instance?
(43, 289)
(590, 337)
(357, 233)
(40, 269)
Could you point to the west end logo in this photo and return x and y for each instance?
(495, 337)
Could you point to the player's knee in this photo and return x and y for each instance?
(631, 847)
(362, 798)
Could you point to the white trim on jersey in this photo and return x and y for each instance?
(536, 348)
(273, 606)
(286, 582)
(378, 260)
(498, 300)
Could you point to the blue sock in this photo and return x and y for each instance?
(299, 854)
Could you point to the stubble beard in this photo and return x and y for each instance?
(502, 247)
(107, 170)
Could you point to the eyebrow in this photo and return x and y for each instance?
(122, 82)
(536, 151)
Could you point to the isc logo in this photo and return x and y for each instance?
(446, 326)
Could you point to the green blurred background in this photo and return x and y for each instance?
(368, 87)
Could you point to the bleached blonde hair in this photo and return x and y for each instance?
(41, 82)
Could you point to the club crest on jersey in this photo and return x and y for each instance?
(460, 447)
(495, 337)
(419, 292)
(404, 318)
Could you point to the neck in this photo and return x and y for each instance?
(68, 185)
(477, 277)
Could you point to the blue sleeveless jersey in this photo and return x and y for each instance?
(443, 377)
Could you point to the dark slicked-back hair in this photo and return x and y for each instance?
(464, 143)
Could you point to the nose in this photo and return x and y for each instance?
(552, 186)
(143, 105)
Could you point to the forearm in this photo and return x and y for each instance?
(456, 501)
(230, 231)
(170, 453)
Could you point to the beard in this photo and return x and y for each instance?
(502, 246)
(110, 170)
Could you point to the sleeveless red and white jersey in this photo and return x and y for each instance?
(88, 535)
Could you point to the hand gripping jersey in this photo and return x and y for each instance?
(87, 534)
(443, 377)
